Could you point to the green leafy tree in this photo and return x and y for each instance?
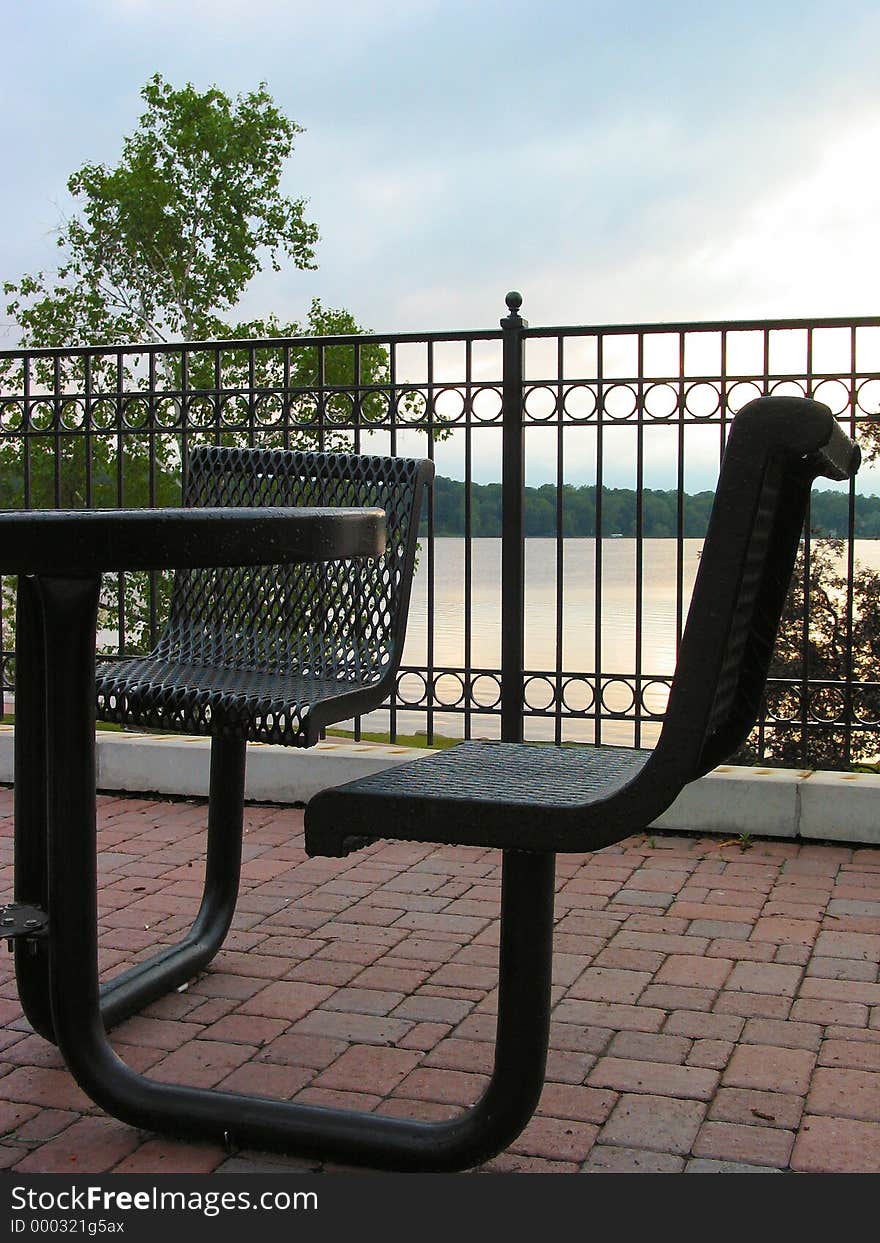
(166, 241)
(831, 652)
(161, 248)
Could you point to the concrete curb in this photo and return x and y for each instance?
(761, 802)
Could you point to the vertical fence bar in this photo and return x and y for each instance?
(468, 677)
(56, 430)
(392, 449)
(639, 568)
(560, 539)
(679, 507)
(122, 613)
(430, 564)
(598, 555)
(804, 688)
(849, 663)
(513, 525)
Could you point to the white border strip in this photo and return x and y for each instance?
(760, 802)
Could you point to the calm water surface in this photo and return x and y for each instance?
(454, 641)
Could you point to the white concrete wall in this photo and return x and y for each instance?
(765, 802)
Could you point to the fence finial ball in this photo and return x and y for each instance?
(514, 301)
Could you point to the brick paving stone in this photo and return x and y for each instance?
(782, 1034)
(842, 969)
(34, 1051)
(609, 1015)
(583, 1104)
(773, 978)
(286, 999)
(567, 1067)
(457, 1054)
(852, 1054)
(424, 1111)
(842, 990)
(425, 1008)
(778, 929)
(837, 1146)
(754, 1005)
(752, 1108)
(629, 959)
(754, 1145)
(335, 1098)
(835, 1032)
(813, 1010)
(557, 1139)
(512, 1163)
(447, 1087)
(201, 1063)
(609, 984)
(14, 1114)
(268, 1079)
(863, 946)
(45, 1125)
(650, 1047)
(222, 984)
(245, 1029)
(90, 1145)
(793, 954)
(699, 1025)
(662, 943)
(362, 1001)
(677, 997)
(657, 1078)
(702, 1165)
(694, 971)
(607, 1159)
(370, 1067)
(168, 1156)
(50, 1089)
(425, 1036)
(714, 1054)
(845, 1093)
(654, 1122)
(155, 1033)
(768, 1068)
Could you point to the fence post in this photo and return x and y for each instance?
(512, 525)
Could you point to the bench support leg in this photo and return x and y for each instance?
(173, 965)
(342, 1135)
(130, 991)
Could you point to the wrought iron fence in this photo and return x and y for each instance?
(617, 430)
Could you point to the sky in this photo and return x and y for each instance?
(633, 161)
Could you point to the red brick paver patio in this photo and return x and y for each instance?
(716, 1009)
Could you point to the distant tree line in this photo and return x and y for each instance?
(829, 512)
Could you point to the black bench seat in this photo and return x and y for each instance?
(527, 796)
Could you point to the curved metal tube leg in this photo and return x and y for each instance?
(523, 1003)
(172, 966)
(31, 882)
(131, 990)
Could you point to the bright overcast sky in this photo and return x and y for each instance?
(627, 161)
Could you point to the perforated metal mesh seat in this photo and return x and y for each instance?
(521, 796)
(275, 653)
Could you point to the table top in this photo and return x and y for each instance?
(83, 542)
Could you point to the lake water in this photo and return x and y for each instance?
(617, 630)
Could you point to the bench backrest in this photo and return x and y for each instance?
(777, 446)
(344, 620)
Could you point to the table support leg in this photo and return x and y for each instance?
(31, 886)
(176, 964)
(172, 966)
(342, 1135)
